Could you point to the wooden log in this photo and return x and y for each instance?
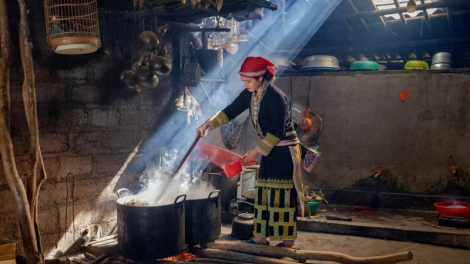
(304, 255)
(105, 243)
(89, 255)
(199, 261)
(208, 260)
(110, 237)
(236, 256)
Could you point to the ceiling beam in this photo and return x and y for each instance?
(403, 9)
(450, 21)
(432, 16)
(402, 18)
(361, 19)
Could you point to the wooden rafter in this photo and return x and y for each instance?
(426, 20)
(450, 22)
(371, 36)
(351, 32)
(361, 19)
(431, 17)
(375, 13)
(402, 18)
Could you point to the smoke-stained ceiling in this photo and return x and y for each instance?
(359, 30)
(356, 30)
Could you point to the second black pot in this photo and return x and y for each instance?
(202, 219)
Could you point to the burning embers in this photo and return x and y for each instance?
(115, 258)
(184, 255)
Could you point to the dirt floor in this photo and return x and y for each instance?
(368, 247)
(369, 233)
(365, 234)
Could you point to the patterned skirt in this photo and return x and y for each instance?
(275, 209)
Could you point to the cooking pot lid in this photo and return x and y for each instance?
(246, 216)
(249, 194)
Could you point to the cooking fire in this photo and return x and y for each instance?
(227, 250)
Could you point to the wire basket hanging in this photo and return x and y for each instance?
(72, 26)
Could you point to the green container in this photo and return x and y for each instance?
(313, 207)
(364, 66)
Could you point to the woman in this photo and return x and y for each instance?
(280, 183)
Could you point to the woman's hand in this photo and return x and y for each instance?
(251, 155)
(203, 129)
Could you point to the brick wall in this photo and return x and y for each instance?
(89, 125)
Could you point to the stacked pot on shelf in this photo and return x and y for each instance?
(146, 72)
(441, 60)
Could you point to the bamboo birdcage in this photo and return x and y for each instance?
(72, 26)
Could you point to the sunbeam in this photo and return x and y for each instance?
(289, 27)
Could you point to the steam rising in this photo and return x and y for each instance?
(288, 28)
(158, 188)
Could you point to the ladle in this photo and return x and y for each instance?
(179, 165)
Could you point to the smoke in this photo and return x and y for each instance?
(288, 28)
(157, 186)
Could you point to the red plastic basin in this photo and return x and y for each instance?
(227, 160)
(453, 209)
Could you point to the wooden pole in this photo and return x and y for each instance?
(304, 255)
(34, 177)
(236, 256)
(28, 234)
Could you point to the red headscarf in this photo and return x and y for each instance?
(255, 66)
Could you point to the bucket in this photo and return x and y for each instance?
(246, 182)
(313, 207)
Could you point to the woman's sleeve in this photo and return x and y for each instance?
(276, 107)
(240, 104)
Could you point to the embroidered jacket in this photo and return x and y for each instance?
(274, 117)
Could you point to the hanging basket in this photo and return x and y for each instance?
(72, 26)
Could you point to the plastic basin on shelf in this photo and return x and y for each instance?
(453, 209)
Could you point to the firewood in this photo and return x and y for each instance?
(304, 255)
(100, 259)
(105, 238)
(202, 261)
(211, 260)
(199, 261)
(236, 256)
(208, 260)
(79, 260)
(89, 255)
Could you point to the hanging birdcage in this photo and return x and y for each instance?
(72, 26)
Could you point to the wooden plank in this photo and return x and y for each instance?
(7, 252)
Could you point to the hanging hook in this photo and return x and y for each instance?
(73, 204)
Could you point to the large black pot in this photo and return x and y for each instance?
(202, 222)
(150, 232)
